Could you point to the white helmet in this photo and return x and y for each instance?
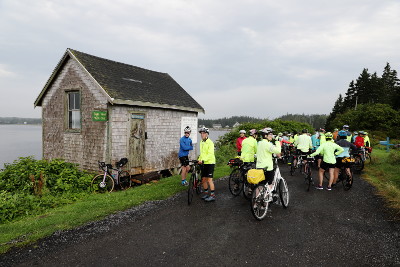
(187, 129)
(242, 131)
(204, 130)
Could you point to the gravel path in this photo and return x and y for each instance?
(320, 228)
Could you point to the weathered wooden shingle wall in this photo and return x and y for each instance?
(163, 127)
(88, 145)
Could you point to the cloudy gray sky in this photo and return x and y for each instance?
(258, 58)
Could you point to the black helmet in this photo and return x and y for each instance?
(304, 131)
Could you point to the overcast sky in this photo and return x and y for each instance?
(256, 58)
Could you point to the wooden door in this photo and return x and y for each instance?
(136, 147)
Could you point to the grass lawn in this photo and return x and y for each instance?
(93, 208)
(384, 175)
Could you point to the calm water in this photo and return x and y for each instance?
(26, 140)
(20, 141)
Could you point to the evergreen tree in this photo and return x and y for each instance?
(390, 87)
(350, 98)
(363, 88)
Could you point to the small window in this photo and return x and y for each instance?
(74, 110)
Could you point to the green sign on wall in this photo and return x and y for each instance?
(99, 115)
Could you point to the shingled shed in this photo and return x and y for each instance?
(95, 109)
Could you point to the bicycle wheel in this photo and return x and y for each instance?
(198, 184)
(236, 182)
(292, 169)
(100, 186)
(283, 193)
(368, 159)
(247, 191)
(259, 205)
(358, 164)
(348, 180)
(191, 188)
(125, 180)
(309, 180)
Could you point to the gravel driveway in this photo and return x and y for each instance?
(320, 228)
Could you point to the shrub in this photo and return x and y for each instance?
(63, 183)
(394, 157)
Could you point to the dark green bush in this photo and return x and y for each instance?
(63, 183)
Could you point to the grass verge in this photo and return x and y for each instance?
(384, 175)
(96, 207)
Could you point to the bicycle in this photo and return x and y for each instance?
(359, 159)
(238, 177)
(105, 182)
(307, 172)
(194, 181)
(263, 195)
(345, 173)
(297, 163)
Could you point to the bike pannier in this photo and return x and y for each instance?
(255, 176)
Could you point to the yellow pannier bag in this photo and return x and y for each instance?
(255, 176)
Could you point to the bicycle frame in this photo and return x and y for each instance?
(265, 194)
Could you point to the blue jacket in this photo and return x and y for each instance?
(346, 146)
(185, 146)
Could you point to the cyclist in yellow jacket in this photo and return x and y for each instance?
(329, 150)
(249, 146)
(265, 149)
(207, 158)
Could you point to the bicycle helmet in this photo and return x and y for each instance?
(204, 130)
(365, 133)
(361, 132)
(280, 134)
(187, 129)
(267, 130)
(355, 133)
(242, 131)
(346, 127)
(342, 133)
(328, 135)
(321, 130)
(253, 132)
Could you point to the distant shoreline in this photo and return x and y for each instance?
(20, 123)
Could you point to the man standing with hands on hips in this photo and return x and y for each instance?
(207, 158)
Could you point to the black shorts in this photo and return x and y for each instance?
(326, 166)
(302, 154)
(208, 170)
(339, 163)
(184, 160)
(269, 176)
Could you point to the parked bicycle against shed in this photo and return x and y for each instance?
(106, 182)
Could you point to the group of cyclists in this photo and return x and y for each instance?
(328, 148)
(331, 149)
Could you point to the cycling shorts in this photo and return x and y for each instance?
(208, 170)
(184, 161)
(302, 154)
(326, 166)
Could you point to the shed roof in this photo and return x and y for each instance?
(130, 85)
